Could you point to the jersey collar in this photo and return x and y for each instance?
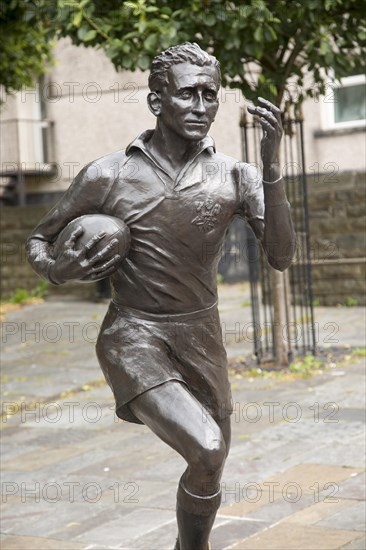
(141, 140)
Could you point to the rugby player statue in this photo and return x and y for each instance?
(172, 198)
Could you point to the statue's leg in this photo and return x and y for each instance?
(188, 519)
(177, 417)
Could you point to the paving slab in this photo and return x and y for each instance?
(357, 544)
(31, 543)
(226, 534)
(355, 488)
(299, 537)
(126, 528)
(318, 511)
(309, 478)
(352, 517)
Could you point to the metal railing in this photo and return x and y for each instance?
(299, 331)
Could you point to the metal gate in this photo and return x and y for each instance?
(299, 329)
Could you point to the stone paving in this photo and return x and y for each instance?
(75, 477)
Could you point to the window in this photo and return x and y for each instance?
(346, 103)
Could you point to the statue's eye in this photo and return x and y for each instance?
(186, 94)
(210, 96)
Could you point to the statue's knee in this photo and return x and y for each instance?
(212, 455)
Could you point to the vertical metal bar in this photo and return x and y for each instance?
(263, 282)
(244, 136)
(299, 231)
(265, 272)
(20, 188)
(290, 354)
(17, 122)
(305, 322)
(258, 352)
(264, 301)
(292, 198)
(19, 176)
(307, 230)
(256, 146)
(252, 258)
(304, 317)
(287, 298)
(270, 308)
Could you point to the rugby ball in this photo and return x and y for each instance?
(92, 224)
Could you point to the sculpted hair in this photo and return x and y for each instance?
(184, 53)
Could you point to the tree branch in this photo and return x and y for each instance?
(270, 63)
(289, 63)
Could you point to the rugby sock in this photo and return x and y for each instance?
(195, 516)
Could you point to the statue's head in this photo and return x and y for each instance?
(184, 83)
(183, 53)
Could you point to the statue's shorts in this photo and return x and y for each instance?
(138, 351)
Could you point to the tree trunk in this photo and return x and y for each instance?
(280, 344)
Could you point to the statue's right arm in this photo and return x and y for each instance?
(86, 195)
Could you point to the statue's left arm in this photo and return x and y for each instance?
(264, 200)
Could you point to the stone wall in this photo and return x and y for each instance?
(16, 224)
(337, 216)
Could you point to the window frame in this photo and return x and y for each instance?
(329, 100)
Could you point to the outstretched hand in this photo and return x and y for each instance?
(270, 120)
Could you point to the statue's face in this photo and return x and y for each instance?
(189, 102)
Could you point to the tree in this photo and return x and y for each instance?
(260, 44)
(26, 44)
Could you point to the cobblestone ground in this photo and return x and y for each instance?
(76, 477)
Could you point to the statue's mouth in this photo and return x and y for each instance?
(197, 122)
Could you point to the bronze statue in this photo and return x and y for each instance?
(160, 345)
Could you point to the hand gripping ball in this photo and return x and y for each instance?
(92, 224)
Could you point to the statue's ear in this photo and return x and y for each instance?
(154, 103)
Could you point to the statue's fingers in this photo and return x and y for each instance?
(103, 253)
(267, 126)
(269, 116)
(107, 268)
(271, 107)
(70, 243)
(94, 240)
(262, 112)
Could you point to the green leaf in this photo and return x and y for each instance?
(329, 57)
(125, 47)
(131, 5)
(81, 33)
(209, 19)
(141, 26)
(269, 33)
(258, 34)
(324, 46)
(127, 62)
(77, 19)
(151, 42)
(89, 35)
(143, 62)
